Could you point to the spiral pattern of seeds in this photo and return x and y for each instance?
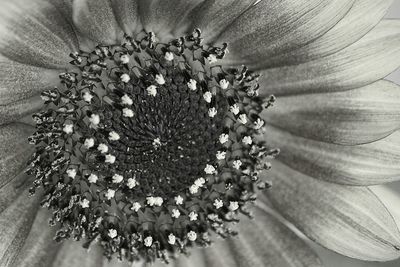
(149, 147)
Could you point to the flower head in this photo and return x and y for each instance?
(126, 142)
(152, 141)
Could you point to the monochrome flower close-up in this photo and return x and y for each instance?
(198, 132)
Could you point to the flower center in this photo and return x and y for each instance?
(149, 147)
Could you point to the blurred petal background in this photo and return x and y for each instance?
(332, 259)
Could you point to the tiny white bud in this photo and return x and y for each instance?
(192, 84)
(126, 100)
(89, 143)
(171, 239)
(192, 236)
(207, 97)
(175, 213)
(131, 183)
(68, 128)
(223, 138)
(212, 112)
(84, 203)
(148, 241)
(158, 201)
(152, 90)
(124, 59)
(178, 200)
(110, 194)
(237, 164)
(224, 84)
(209, 169)
(193, 216)
(125, 78)
(233, 205)
(116, 179)
(151, 201)
(136, 206)
(218, 203)
(200, 182)
(103, 148)
(87, 97)
(193, 189)
(169, 56)
(94, 119)
(113, 136)
(71, 173)
(221, 155)
(258, 124)
(242, 118)
(127, 112)
(110, 159)
(235, 109)
(247, 140)
(92, 178)
(160, 79)
(212, 58)
(112, 233)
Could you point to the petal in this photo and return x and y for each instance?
(20, 81)
(346, 32)
(371, 58)
(265, 241)
(220, 254)
(95, 19)
(350, 117)
(166, 17)
(369, 164)
(390, 198)
(36, 33)
(39, 249)
(13, 189)
(346, 219)
(14, 150)
(14, 111)
(212, 17)
(272, 27)
(194, 259)
(127, 15)
(15, 225)
(72, 253)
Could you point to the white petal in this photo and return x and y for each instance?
(95, 20)
(166, 16)
(347, 219)
(127, 15)
(14, 150)
(15, 224)
(368, 164)
(350, 117)
(272, 27)
(371, 58)
(36, 33)
(347, 31)
(212, 17)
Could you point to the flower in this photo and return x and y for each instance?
(119, 101)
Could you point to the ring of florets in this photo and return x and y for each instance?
(148, 147)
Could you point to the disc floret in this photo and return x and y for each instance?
(147, 148)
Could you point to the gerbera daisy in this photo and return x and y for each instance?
(146, 129)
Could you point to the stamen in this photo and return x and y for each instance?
(152, 90)
(150, 147)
